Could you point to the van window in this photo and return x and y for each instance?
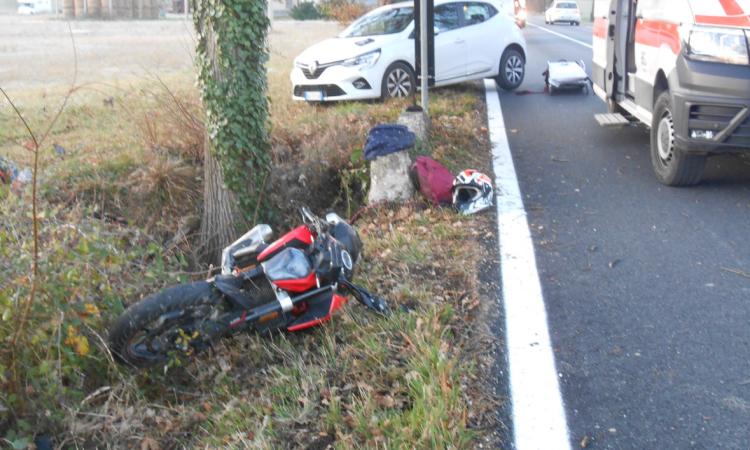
(567, 6)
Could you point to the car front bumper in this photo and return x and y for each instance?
(336, 83)
(711, 107)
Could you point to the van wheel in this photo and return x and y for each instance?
(512, 69)
(672, 166)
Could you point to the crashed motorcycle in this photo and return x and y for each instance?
(294, 283)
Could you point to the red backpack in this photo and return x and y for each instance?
(433, 180)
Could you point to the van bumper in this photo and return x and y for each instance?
(711, 107)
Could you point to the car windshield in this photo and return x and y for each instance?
(567, 5)
(390, 21)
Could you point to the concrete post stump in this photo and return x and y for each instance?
(389, 178)
(417, 122)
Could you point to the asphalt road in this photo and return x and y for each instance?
(647, 287)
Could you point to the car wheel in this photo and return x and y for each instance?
(398, 81)
(672, 166)
(512, 69)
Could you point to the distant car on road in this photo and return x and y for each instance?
(374, 56)
(563, 11)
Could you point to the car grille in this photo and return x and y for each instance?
(720, 115)
(741, 135)
(718, 118)
(329, 90)
(312, 75)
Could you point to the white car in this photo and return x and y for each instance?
(563, 11)
(374, 56)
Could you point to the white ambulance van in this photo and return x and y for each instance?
(681, 67)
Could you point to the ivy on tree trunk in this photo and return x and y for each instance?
(232, 54)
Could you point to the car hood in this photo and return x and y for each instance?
(340, 48)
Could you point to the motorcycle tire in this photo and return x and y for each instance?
(147, 332)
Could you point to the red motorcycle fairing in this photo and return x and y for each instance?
(319, 310)
(299, 237)
(298, 285)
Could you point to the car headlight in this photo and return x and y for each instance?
(718, 45)
(368, 59)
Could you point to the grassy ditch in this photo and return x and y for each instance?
(120, 201)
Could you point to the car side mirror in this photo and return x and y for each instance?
(436, 30)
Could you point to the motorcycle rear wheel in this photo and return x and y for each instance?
(170, 322)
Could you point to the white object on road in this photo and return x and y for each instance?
(539, 421)
(566, 75)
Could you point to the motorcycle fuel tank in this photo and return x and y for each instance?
(290, 270)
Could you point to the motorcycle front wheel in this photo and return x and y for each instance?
(176, 321)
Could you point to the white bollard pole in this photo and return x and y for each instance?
(423, 52)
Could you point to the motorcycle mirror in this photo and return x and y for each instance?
(307, 215)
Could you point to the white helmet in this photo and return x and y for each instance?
(472, 192)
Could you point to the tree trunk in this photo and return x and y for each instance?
(220, 212)
(219, 209)
(232, 52)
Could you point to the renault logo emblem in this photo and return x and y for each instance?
(314, 67)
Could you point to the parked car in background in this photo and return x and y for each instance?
(563, 11)
(374, 56)
(31, 7)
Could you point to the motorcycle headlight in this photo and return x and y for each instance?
(718, 45)
(368, 59)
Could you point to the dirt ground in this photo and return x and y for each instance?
(37, 52)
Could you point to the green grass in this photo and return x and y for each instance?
(360, 381)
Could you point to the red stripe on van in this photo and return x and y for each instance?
(600, 27)
(656, 33)
(732, 8)
(735, 16)
(723, 21)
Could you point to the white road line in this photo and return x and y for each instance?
(538, 413)
(559, 34)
